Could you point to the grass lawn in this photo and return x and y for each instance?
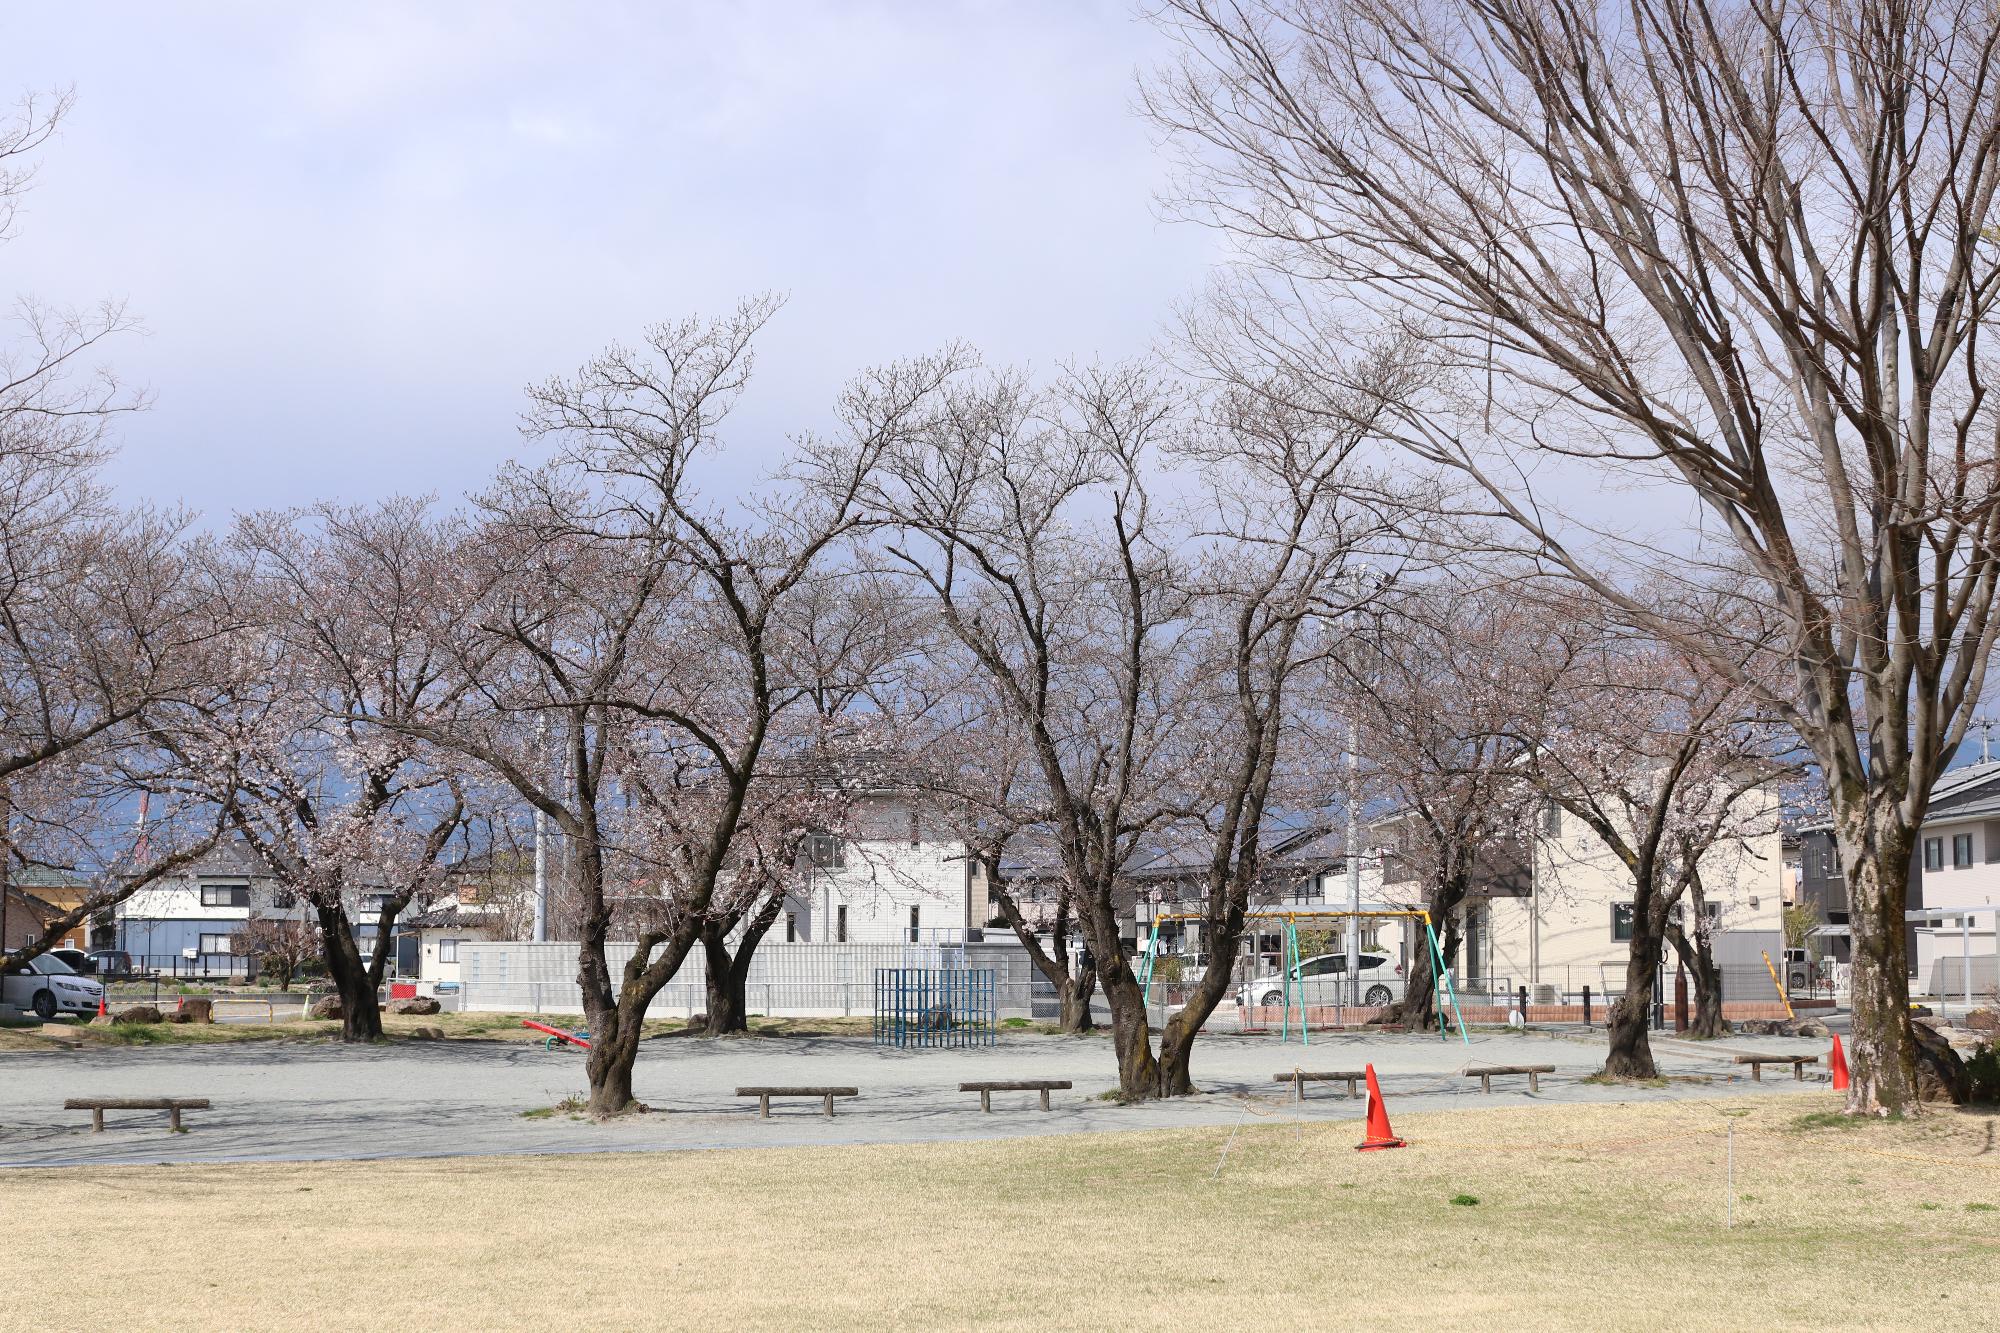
(1600, 1217)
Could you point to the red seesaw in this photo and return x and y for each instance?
(557, 1034)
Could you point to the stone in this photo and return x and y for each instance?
(1804, 1027)
(1941, 1075)
(419, 1005)
(1758, 1027)
(179, 1016)
(138, 1013)
(195, 1009)
(326, 1006)
(1984, 1020)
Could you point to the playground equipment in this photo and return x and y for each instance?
(934, 1006)
(557, 1035)
(1443, 994)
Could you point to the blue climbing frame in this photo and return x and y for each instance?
(934, 1006)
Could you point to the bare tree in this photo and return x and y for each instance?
(1667, 764)
(1442, 719)
(103, 614)
(312, 748)
(1152, 684)
(282, 946)
(644, 624)
(1737, 248)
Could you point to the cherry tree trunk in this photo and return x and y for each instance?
(1131, 1029)
(614, 1049)
(1074, 993)
(360, 1003)
(1630, 1054)
(1698, 956)
(1875, 853)
(1418, 1007)
(728, 1010)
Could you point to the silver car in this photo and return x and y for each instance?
(50, 987)
(1322, 980)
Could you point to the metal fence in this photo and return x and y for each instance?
(934, 1006)
(784, 980)
(201, 967)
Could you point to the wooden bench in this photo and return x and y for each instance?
(1797, 1062)
(1486, 1073)
(986, 1090)
(764, 1096)
(97, 1106)
(1298, 1078)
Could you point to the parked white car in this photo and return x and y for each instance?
(1322, 980)
(50, 987)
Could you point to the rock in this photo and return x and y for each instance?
(179, 1016)
(1804, 1027)
(1758, 1027)
(195, 1009)
(420, 1005)
(327, 1006)
(103, 1020)
(138, 1013)
(1984, 1020)
(1941, 1073)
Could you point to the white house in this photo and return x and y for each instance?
(892, 874)
(190, 923)
(1957, 866)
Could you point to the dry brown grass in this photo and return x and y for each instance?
(1607, 1216)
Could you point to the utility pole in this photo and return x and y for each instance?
(1354, 857)
(1354, 822)
(541, 839)
(1985, 725)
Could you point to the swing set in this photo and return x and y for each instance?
(1442, 992)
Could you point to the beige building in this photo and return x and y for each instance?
(1570, 925)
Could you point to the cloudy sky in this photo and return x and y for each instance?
(353, 232)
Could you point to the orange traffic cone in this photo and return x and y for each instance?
(1379, 1133)
(1837, 1062)
(100, 1001)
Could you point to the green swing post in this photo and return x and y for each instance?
(1441, 988)
(1146, 964)
(1291, 950)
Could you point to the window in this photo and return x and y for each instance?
(916, 830)
(1552, 819)
(225, 895)
(1961, 851)
(1933, 853)
(840, 924)
(447, 951)
(371, 903)
(914, 913)
(1621, 921)
(827, 852)
(216, 943)
(791, 927)
(283, 897)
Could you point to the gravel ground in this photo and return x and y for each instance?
(297, 1102)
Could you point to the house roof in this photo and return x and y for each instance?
(1964, 793)
(451, 918)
